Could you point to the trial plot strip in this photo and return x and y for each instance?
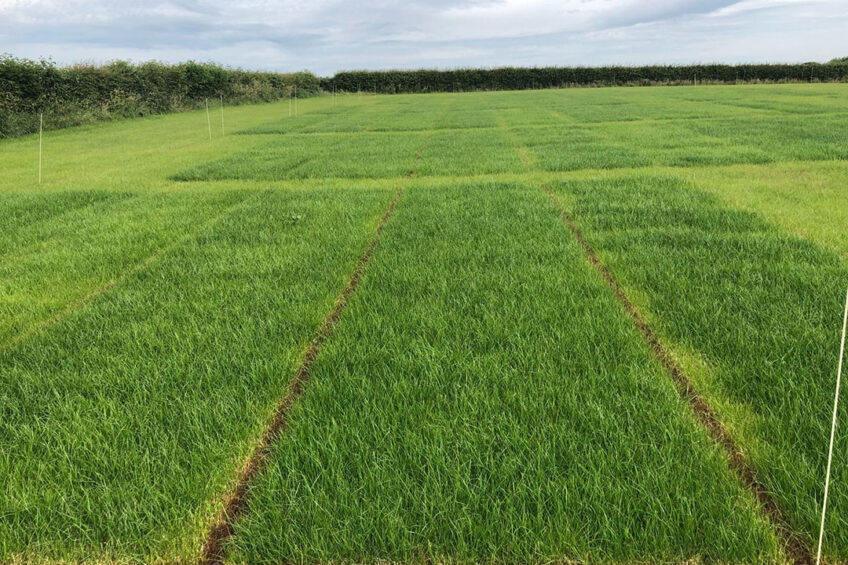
(123, 425)
(213, 549)
(222, 529)
(793, 543)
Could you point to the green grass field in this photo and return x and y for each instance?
(483, 396)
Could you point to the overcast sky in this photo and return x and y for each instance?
(329, 35)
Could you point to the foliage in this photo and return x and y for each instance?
(511, 78)
(86, 93)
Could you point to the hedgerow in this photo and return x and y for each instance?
(86, 93)
(511, 78)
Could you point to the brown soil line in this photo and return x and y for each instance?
(235, 504)
(794, 544)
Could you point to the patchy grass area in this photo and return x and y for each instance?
(806, 198)
(484, 397)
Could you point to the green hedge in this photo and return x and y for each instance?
(511, 78)
(86, 93)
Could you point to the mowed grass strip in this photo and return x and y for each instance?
(131, 155)
(485, 399)
(49, 264)
(752, 313)
(122, 426)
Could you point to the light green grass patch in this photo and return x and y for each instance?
(809, 199)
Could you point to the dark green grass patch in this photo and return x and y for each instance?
(120, 426)
(802, 137)
(465, 114)
(349, 119)
(289, 124)
(469, 152)
(485, 399)
(569, 148)
(402, 113)
(760, 309)
(679, 144)
(531, 115)
(615, 105)
(382, 117)
(786, 101)
(373, 155)
(21, 209)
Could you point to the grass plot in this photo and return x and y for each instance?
(374, 155)
(122, 426)
(485, 399)
(66, 258)
(753, 312)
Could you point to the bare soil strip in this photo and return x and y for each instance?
(39, 326)
(794, 545)
(235, 503)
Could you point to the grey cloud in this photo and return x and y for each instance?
(328, 35)
(659, 10)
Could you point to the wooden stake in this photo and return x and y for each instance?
(40, 135)
(208, 119)
(222, 115)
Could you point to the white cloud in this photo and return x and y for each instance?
(328, 35)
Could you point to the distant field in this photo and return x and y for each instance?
(412, 329)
